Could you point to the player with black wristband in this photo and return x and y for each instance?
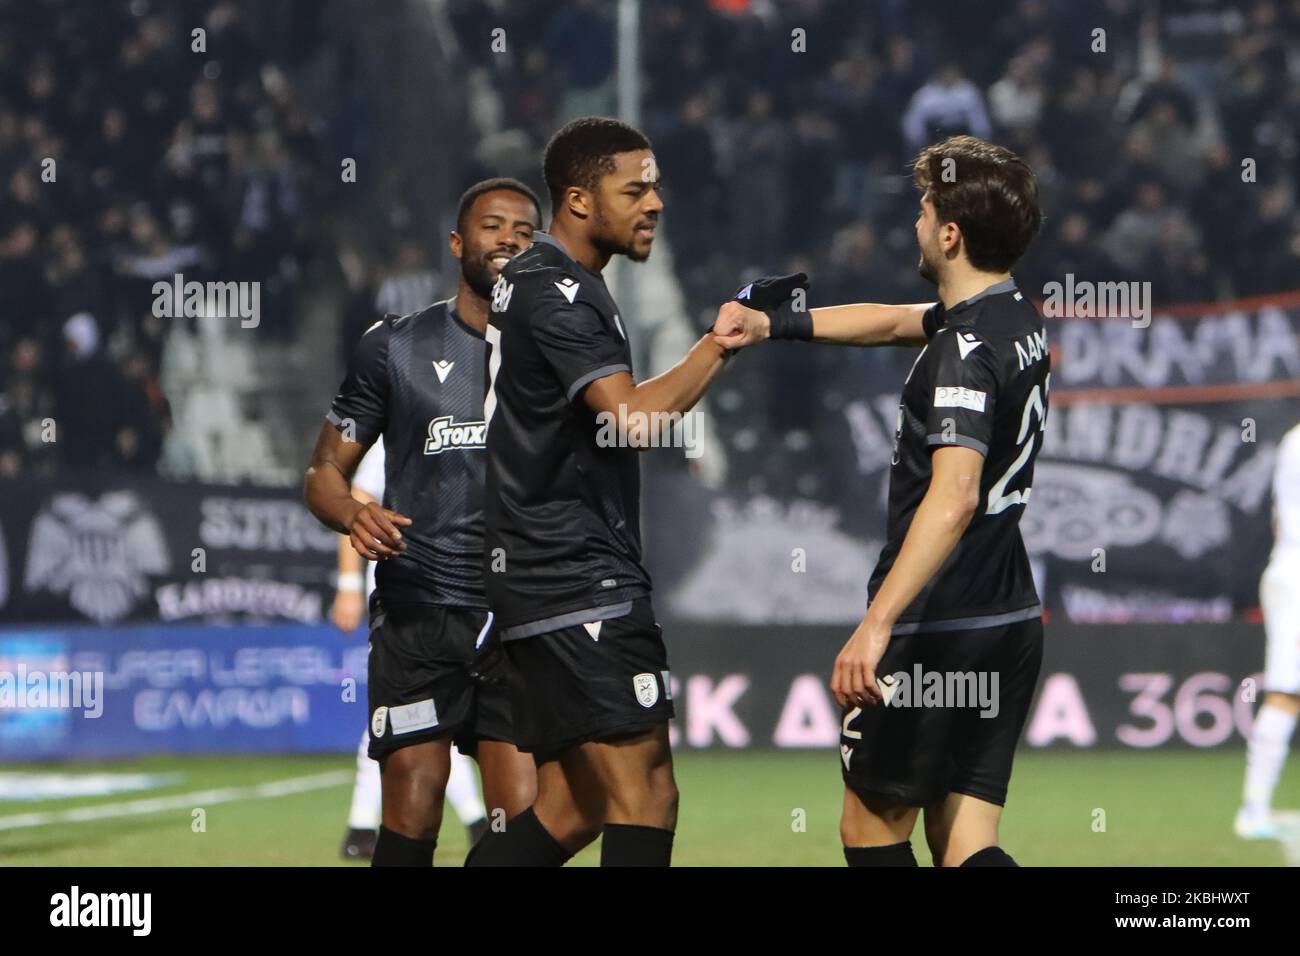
(952, 591)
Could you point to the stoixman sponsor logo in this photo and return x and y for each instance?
(52, 690)
(635, 429)
(447, 434)
(1085, 299)
(220, 300)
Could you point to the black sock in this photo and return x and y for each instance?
(896, 854)
(524, 842)
(394, 849)
(990, 856)
(626, 845)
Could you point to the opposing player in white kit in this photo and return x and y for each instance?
(350, 603)
(1279, 595)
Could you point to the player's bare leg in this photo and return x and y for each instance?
(876, 831)
(414, 780)
(960, 827)
(565, 817)
(622, 790)
(635, 776)
(1287, 703)
(570, 801)
(509, 779)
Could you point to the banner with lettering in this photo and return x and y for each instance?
(117, 549)
(1151, 498)
(120, 691)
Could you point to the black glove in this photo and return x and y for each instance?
(771, 292)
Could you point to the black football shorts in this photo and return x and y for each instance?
(589, 682)
(957, 707)
(430, 676)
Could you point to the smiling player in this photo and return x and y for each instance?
(417, 380)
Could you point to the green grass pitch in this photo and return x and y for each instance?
(738, 808)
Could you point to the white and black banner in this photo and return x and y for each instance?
(109, 550)
(1151, 498)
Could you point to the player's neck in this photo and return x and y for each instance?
(578, 246)
(473, 311)
(962, 283)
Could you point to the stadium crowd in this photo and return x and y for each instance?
(130, 151)
(773, 157)
(1166, 147)
(783, 131)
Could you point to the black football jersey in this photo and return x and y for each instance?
(980, 382)
(418, 381)
(563, 535)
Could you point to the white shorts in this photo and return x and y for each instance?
(1279, 596)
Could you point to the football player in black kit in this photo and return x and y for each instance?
(952, 591)
(434, 669)
(588, 668)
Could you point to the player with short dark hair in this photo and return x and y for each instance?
(588, 668)
(434, 666)
(952, 592)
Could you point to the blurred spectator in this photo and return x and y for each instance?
(580, 42)
(1137, 236)
(144, 417)
(86, 389)
(1016, 100)
(411, 284)
(760, 144)
(946, 105)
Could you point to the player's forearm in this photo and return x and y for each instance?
(328, 496)
(679, 388)
(868, 324)
(940, 521)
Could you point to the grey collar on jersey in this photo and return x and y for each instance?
(542, 236)
(997, 288)
(550, 240)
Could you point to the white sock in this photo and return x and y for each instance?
(1270, 740)
(462, 789)
(367, 793)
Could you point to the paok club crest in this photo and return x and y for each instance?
(99, 554)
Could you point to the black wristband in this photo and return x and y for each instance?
(786, 323)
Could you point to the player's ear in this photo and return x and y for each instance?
(455, 243)
(578, 201)
(949, 237)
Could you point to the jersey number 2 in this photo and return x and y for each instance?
(999, 500)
